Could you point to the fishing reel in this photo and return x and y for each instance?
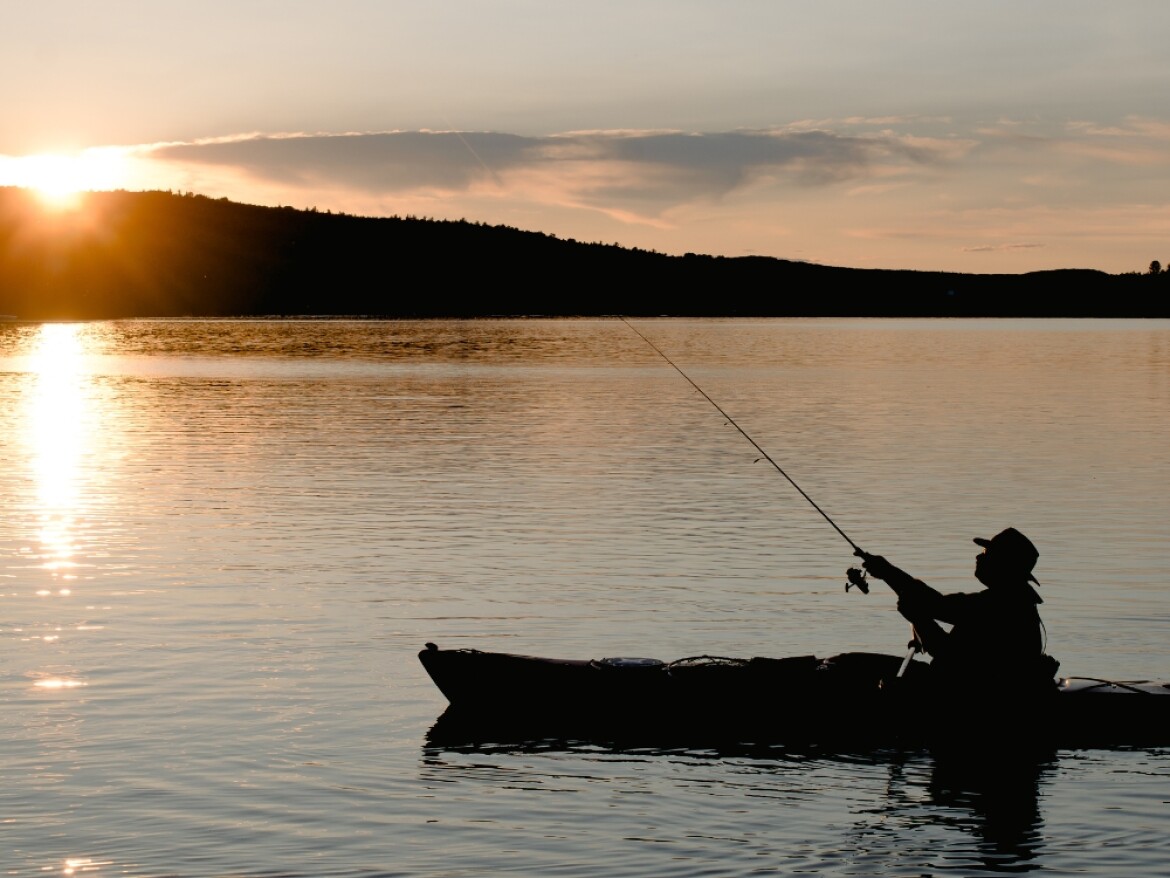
(856, 577)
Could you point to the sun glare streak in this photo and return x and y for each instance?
(59, 179)
(57, 683)
(81, 865)
(57, 433)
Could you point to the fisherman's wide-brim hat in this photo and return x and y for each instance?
(1014, 548)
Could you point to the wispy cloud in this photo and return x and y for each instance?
(633, 170)
(999, 248)
(391, 161)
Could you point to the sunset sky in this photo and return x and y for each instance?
(983, 137)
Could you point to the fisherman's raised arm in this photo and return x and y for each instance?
(918, 603)
(905, 586)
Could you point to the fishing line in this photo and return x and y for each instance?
(745, 435)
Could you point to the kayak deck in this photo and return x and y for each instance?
(854, 699)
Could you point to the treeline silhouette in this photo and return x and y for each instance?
(162, 254)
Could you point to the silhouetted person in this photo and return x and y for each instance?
(995, 646)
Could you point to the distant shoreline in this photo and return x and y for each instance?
(160, 254)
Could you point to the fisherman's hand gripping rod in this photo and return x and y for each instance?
(856, 575)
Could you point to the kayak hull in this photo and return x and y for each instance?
(850, 700)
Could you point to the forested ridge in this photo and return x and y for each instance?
(163, 254)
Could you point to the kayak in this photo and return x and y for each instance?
(848, 700)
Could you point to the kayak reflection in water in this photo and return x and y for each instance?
(996, 639)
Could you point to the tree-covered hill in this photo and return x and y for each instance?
(159, 254)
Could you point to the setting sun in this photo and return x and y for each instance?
(59, 178)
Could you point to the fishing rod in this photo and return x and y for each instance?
(856, 577)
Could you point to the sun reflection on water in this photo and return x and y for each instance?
(58, 683)
(58, 433)
(81, 865)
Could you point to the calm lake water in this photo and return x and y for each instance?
(225, 542)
